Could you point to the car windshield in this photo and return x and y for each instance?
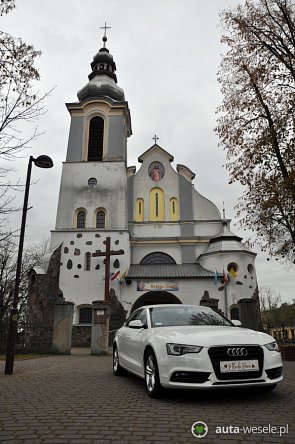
(169, 316)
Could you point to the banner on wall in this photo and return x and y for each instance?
(157, 286)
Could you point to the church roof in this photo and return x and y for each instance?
(226, 241)
(102, 79)
(168, 271)
(159, 148)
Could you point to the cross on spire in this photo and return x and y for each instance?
(155, 138)
(105, 27)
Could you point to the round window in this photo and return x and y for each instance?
(232, 268)
(156, 171)
(92, 182)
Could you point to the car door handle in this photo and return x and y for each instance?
(128, 337)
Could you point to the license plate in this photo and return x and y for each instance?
(239, 366)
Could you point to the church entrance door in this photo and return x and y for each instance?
(155, 297)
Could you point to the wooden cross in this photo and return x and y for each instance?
(107, 254)
(155, 138)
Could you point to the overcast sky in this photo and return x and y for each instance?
(167, 54)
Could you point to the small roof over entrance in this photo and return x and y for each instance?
(156, 271)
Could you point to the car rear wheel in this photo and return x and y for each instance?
(152, 380)
(117, 369)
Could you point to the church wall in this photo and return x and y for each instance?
(207, 228)
(188, 254)
(130, 198)
(190, 292)
(142, 184)
(204, 209)
(244, 284)
(76, 193)
(140, 251)
(200, 248)
(116, 139)
(185, 204)
(75, 144)
(81, 286)
(154, 229)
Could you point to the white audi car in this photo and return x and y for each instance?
(187, 346)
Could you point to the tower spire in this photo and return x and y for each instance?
(104, 39)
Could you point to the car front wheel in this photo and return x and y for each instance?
(117, 369)
(152, 380)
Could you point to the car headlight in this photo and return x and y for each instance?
(180, 349)
(272, 346)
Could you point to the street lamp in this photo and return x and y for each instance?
(41, 162)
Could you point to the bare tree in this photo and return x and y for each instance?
(256, 123)
(6, 6)
(268, 299)
(32, 257)
(20, 103)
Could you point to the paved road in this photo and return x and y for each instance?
(76, 399)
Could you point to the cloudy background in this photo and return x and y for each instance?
(167, 54)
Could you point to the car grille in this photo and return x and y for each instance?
(190, 377)
(218, 354)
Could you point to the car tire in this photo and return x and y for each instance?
(117, 369)
(151, 375)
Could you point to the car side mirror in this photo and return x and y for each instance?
(136, 324)
(236, 322)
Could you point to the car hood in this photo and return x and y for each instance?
(211, 335)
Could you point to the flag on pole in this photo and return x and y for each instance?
(122, 276)
(115, 275)
(233, 272)
(225, 278)
(215, 277)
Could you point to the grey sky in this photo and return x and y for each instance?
(167, 54)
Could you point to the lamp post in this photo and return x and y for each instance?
(41, 162)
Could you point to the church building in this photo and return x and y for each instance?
(168, 243)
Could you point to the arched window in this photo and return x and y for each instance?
(157, 258)
(87, 261)
(173, 209)
(156, 209)
(139, 210)
(81, 219)
(95, 142)
(100, 219)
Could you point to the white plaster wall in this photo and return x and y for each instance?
(140, 251)
(207, 228)
(109, 193)
(89, 286)
(220, 261)
(190, 292)
(203, 208)
(143, 183)
(154, 229)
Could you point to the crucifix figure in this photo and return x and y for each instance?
(104, 39)
(107, 254)
(155, 138)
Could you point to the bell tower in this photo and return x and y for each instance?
(92, 201)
